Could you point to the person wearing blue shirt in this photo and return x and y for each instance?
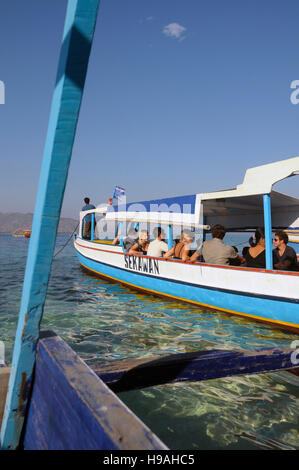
(87, 218)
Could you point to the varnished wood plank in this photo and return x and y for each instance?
(71, 408)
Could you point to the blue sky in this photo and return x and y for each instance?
(180, 97)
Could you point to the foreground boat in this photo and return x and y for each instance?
(266, 295)
(74, 407)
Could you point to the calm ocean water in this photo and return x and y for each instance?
(104, 322)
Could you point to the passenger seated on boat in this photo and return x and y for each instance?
(284, 257)
(235, 261)
(117, 239)
(157, 247)
(128, 241)
(256, 255)
(141, 246)
(182, 248)
(245, 251)
(215, 251)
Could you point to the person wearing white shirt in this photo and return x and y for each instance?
(157, 247)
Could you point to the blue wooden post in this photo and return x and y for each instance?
(82, 228)
(268, 230)
(74, 56)
(169, 237)
(92, 228)
(121, 237)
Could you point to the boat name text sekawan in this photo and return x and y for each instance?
(146, 265)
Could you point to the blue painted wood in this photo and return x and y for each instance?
(120, 231)
(77, 39)
(200, 365)
(72, 409)
(82, 228)
(169, 237)
(92, 228)
(268, 230)
(180, 204)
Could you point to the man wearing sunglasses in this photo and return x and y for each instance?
(285, 257)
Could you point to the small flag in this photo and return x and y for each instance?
(118, 192)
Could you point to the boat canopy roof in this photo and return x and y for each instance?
(239, 208)
(260, 179)
(242, 207)
(180, 210)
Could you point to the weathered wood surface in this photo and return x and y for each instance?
(201, 365)
(71, 408)
(4, 377)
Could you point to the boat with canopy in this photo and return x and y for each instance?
(22, 233)
(266, 295)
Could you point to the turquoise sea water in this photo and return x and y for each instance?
(104, 322)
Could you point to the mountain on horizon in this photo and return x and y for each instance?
(11, 221)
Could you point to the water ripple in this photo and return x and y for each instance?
(106, 322)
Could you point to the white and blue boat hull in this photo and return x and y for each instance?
(263, 295)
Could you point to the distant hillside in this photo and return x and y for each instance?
(16, 221)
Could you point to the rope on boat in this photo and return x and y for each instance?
(67, 241)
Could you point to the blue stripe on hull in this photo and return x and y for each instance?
(264, 308)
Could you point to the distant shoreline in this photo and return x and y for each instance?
(12, 221)
(58, 233)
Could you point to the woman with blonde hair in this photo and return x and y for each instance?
(182, 248)
(141, 246)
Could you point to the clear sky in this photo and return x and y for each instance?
(180, 97)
